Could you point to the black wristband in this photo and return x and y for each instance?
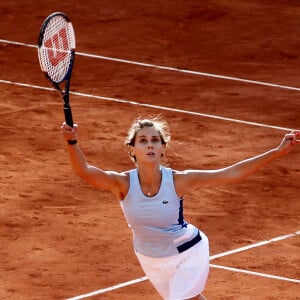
(72, 142)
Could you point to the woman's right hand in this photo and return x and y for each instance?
(69, 133)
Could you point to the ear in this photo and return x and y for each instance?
(131, 150)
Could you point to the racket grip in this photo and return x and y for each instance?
(68, 115)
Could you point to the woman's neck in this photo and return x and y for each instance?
(150, 180)
(148, 174)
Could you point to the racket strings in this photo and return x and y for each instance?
(56, 51)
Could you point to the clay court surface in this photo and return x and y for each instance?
(61, 238)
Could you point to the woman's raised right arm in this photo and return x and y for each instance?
(116, 182)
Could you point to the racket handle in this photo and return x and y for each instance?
(68, 114)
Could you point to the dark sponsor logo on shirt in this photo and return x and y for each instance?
(165, 202)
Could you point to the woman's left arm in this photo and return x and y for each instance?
(249, 166)
(238, 171)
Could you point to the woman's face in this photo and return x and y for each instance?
(148, 147)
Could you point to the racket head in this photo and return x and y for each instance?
(56, 47)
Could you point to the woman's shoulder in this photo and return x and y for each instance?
(127, 172)
(171, 174)
(127, 176)
(167, 169)
(171, 171)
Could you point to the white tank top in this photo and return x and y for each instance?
(157, 222)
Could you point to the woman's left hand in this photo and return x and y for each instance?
(288, 142)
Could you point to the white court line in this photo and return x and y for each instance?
(109, 289)
(276, 239)
(152, 106)
(255, 273)
(254, 245)
(166, 68)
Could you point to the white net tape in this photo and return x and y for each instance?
(55, 51)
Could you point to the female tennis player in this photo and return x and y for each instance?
(173, 253)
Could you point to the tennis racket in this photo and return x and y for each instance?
(56, 53)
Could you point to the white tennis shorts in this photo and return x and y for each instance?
(181, 276)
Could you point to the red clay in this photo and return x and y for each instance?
(61, 238)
